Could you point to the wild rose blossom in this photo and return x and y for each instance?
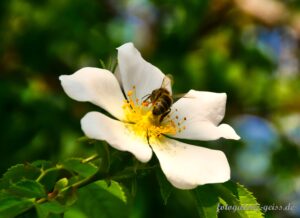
(135, 129)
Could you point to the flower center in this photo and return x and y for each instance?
(141, 120)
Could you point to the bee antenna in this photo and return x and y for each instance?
(146, 96)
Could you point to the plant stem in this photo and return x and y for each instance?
(97, 176)
(45, 172)
(86, 181)
(91, 158)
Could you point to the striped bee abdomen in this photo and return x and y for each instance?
(162, 104)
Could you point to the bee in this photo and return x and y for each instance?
(161, 99)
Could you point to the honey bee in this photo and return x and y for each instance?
(161, 99)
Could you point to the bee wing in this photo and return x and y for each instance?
(182, 95)
(167, 81)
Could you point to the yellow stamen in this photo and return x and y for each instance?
(142, 122)
(129, 93)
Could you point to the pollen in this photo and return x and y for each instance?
(180, 126)
(142, 122)
(129, 93)
(145, 104)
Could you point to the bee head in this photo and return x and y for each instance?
(154, 95)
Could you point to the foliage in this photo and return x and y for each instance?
(85, 192)
(219, 46)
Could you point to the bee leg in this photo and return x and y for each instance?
(146, 101)
(164, 115)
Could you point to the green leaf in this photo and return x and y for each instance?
(113, 63)
(61, 193)
(41, 212)
(18, 172)
(97, 198)
(10, 206)
(103, 151)
(67, 197)
(50, 207)
(164, 185)
(43, 164)
(75, 213)
(207, 201)
(28, 189)
(76, 165)
(238, 199)
(114, 188)
(85, 139)
(51, 177)
(102, 64)
(133, 187)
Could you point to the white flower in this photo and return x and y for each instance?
(135, 128)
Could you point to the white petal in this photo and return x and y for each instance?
(98, 126)
(118, 75)
(187, 166)
(135, 71)
(203, 112)
(95, 85)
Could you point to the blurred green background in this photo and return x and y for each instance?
(246, 48)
